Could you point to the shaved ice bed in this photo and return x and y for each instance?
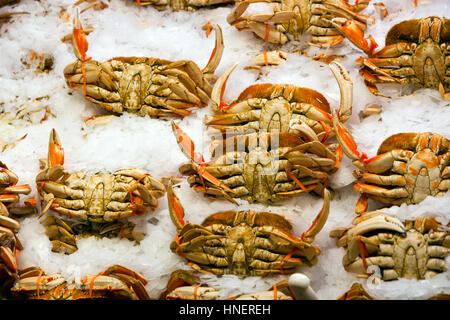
(124, 29)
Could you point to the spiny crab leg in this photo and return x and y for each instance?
(187, 147)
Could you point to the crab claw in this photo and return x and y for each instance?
(346, 141)
(55, 151)
(352, 31)
(8, 258)
(219, 89)
(320, 219)
(175, 208)
(80, 44)
(216, 55)
(444, 94)
(186, 144)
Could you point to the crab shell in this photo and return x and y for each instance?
(416, 52)
(415, 249)
(116, 282)
(244, 243)
(356, 292)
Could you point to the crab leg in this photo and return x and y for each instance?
(187, 147)
(378, 164)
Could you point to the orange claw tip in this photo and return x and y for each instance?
(55, 151)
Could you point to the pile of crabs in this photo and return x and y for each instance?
(278, 141)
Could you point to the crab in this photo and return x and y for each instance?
(285, 108)
(417, 52)
(327, 21)
(184, 285)
(96, 201)
(244, 243)
(258, 167)
(408, 167)
(139, 85)
(415, 249)
(116, 282)
(188, 5)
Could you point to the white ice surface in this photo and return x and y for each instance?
(124, 29)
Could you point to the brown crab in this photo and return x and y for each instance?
(415, 249)
(144, 86)
(244, 243)
(258, 167)
(327, 21)
(114, 283)
(285, 108)
(97, 201)
(408, 167)
(417, 52)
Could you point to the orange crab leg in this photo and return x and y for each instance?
(187, 147)
(55, 150)
(218, 90)
(355, 34)
(80, 45)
